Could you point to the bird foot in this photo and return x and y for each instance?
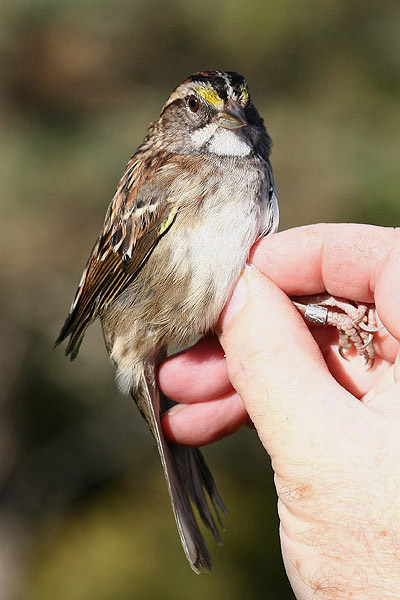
(356, 323)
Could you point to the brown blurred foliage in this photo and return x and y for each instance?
(84, 511)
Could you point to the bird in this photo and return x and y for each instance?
(194, 198)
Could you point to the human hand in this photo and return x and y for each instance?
(335, 458)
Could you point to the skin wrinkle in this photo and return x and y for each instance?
(293, 492)
(354, 576)
(312, 576)
(313, 536)
(346, 460)
(337, 591)
(312, 571)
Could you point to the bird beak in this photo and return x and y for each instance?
(232, 117)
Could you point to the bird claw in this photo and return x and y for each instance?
(369, 329)
(356, 323)
(368, 342)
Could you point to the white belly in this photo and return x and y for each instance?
(218, 249)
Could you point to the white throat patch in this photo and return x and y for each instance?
(202, 135)
(223, 142)
(227, 143)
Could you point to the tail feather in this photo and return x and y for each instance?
(199, 485)
(188, 478)
(201, 481)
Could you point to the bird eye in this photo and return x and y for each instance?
(193, 103)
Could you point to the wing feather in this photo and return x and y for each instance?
(139, 214)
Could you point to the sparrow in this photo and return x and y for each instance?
(194, 197)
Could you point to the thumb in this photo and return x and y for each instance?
(276, 366)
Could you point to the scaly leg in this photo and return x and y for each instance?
(356, 323)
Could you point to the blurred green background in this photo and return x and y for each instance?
(84, 511)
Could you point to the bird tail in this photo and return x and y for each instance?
(188, 477)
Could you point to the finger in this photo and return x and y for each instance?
(277, 368)
(197, 374)
(387, 292)
(188, 425)
(360, 262)
(339, 258)
(204, 422)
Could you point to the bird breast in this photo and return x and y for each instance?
(182, 288)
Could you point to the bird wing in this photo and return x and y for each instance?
(139, 214)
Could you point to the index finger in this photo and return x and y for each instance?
(359, 262)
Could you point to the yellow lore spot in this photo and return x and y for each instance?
(209, 94)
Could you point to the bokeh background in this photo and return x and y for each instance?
(84, 511)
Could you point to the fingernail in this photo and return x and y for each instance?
(237, 300)
(175, 409)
